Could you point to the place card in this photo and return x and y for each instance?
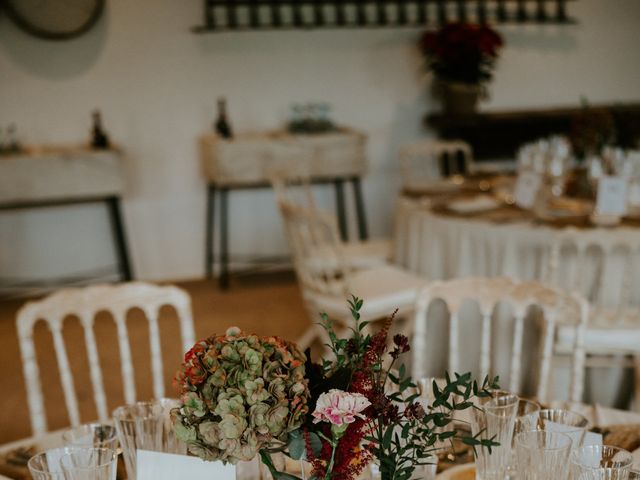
(526, 190)
(612, 196)
(168, 466)
(633, 195)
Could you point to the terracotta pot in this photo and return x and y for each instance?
(460, 98)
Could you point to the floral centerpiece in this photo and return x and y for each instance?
(462, 57)
(244, 395)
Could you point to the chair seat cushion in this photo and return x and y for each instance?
(383, 289)
(367, 254)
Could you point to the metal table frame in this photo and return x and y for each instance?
(112, 203)
(223, 255)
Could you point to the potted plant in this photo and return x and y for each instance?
(462, 57)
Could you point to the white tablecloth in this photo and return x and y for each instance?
(444, 247)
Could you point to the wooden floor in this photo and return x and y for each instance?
(267, 306)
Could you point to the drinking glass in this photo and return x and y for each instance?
(46, 465)
(495, 420)
(89, 463)
(92, 435)
(139, 426)
(146, 426)
(542, 455)
(170, 443)
(557, 420)
(601, 462)
(525, 408)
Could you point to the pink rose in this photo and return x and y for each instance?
(339, 407)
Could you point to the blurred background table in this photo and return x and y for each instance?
(55, 176)
(248, 160)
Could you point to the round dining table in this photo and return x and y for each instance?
(605, 419)
(432, 239)
(435, 239)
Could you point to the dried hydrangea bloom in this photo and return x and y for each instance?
(239, 393)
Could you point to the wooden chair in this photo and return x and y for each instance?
(428, 161)
(85, 303)
(327, 280)
(557, 309)
(295, 189)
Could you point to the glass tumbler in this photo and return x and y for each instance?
(601, 462)
(89, 463)
(46, 465)
(558, 420)
(542, 455)
(146, 426)
(139, 426)
(495, 420)
(525, 408)
(92, 435)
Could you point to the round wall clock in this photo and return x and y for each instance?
(54, 19)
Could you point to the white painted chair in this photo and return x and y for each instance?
(425, 162)
(601, 265)
(295, 189)
(327, 281)
(558, 308)
(85, 303)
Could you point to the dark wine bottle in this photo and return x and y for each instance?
(222, 126)
(99, 138)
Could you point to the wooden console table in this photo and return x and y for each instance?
(246, 162)
(498, 135)
(47, 177)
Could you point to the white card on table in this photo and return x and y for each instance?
(612, 196)
(168, 466)
(527, 187)
(634, 194)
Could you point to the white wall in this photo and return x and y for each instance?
(156, 84)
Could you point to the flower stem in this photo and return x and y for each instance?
(327, 475)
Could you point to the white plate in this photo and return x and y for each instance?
(477, 204)
(461, 472)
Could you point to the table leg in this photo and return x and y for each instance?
(363, 232)
(224, 238)
(340, 209)
(119, 238)
(210, 222)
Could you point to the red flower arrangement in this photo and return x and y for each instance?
(462, 52)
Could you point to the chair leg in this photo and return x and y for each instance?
(636, 391)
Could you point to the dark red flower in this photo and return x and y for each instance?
(461, 52)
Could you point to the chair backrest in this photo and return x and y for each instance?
(599, 264)
(85, 303)
(558, 308)
(431, 160)
(316, 247)
(292, 187)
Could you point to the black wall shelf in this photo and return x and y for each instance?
(248, 15)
